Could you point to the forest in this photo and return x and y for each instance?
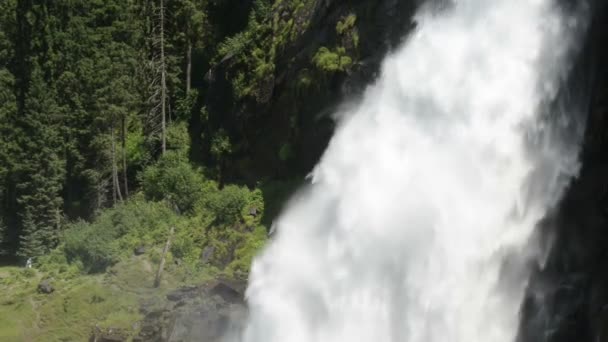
(125, 124)
(98, 105)
(144, 136)
(105, 100)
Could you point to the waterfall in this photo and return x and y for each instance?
(416, 226)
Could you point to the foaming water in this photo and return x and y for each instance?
(424, 191)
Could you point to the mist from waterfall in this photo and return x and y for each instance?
(418, 221)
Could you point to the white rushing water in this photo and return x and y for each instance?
(423, 194)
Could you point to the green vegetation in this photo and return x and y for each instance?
(338, 59)
(101, 282)
(346, 24)
(271, 27)
(332, 61)
(108, 140)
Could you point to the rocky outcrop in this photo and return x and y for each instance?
(203, 313)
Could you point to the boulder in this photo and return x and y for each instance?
(195, 313)
(45, 287)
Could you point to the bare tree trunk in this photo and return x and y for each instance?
(115, 183)
(124, 155)
(189, 67)
(161, 266)
(163, 77)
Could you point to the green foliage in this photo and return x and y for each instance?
(116, 232)
(220, 144)
(41, 171)
(346, 24)
(186, 105)
(332, 61)
(245, 251)
(227, 205)
(178, 139)
(135, 148)
(173, 179)
(94, 249)
(256, 49)
(76, 86)
(234, 45)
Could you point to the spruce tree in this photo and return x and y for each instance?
(42, 170)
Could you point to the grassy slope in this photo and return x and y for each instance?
(81, 302)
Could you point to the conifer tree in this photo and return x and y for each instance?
(42, 170)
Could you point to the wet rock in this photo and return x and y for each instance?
(45, 287)
(226, 291)
(180, 294)
(195, 313)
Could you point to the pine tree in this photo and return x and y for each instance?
(42, 170)
(8, 111)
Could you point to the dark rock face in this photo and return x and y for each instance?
(567, 299)
(304, 122)
(196, 314)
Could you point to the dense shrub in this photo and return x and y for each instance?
(174, 179)
(178, 139)
(227, 204)
(116, 232)
(249, 245)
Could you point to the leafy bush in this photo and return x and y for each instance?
(115, 233)
(136, 150)
(249, 246)
(185, 106)
(227, 204)
(92, 247)
(174, 179)
(178, 139)
(220, 144)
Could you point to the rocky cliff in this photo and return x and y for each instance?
(312, 55)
